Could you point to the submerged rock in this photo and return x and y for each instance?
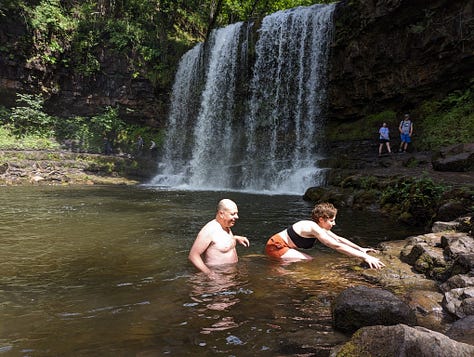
(362, 306)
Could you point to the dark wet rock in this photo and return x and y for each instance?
(458, 281)
(451, 210)
(394, 53)
(362, 306)
(428, 308)
(401, 340)
(462, 330)
(457, 158)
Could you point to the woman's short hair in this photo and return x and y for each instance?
(324, 210)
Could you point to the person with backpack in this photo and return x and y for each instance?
(406, 131)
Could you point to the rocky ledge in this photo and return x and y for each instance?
(66, 167)
(425, 303)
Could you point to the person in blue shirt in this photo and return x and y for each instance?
(384, 138)
(406, 131)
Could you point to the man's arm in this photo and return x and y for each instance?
(242, 240)
(200, 245)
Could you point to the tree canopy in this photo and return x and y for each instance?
(152, 34)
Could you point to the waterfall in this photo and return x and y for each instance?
(185, 98)
(261, 131)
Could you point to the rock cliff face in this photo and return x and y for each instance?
(68, 92)
(393, 54)
(387, 54)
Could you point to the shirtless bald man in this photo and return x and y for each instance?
(216, 241)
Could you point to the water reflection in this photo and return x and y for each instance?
(213, 299)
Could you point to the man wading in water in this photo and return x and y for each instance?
(216, 241)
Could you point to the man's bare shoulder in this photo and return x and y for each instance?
(210, 228)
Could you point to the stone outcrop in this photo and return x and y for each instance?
(462, 330)
(362, 306)
(457, 158)
(65, 168)
(393, 54)
(402, 340)
(442, 310)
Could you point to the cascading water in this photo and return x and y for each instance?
(260, 136)
(181, 120)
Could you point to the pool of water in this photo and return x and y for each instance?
(104, 271)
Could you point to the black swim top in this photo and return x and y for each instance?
(300, 242)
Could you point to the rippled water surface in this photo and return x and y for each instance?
(103, 271)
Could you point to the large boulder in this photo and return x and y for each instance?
(462, 330)
(361, 306)
(457, 158)
(401, 340)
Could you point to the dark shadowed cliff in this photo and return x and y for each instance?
(393, 54)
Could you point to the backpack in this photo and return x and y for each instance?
(406, 126)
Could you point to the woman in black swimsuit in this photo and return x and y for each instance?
(303, 235)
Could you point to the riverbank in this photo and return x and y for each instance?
(61, 167)
(23, 167)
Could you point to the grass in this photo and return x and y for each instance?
(29, 142)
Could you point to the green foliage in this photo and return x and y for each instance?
(416, 198)
(4, 115)
(238, 10)
(363, 129)
(29, 142)
(106, 125)
(37, 130)
(52, 30)
(28, 117)
(151, 35)
(448, 121)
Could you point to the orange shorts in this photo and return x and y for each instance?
(276, 247)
